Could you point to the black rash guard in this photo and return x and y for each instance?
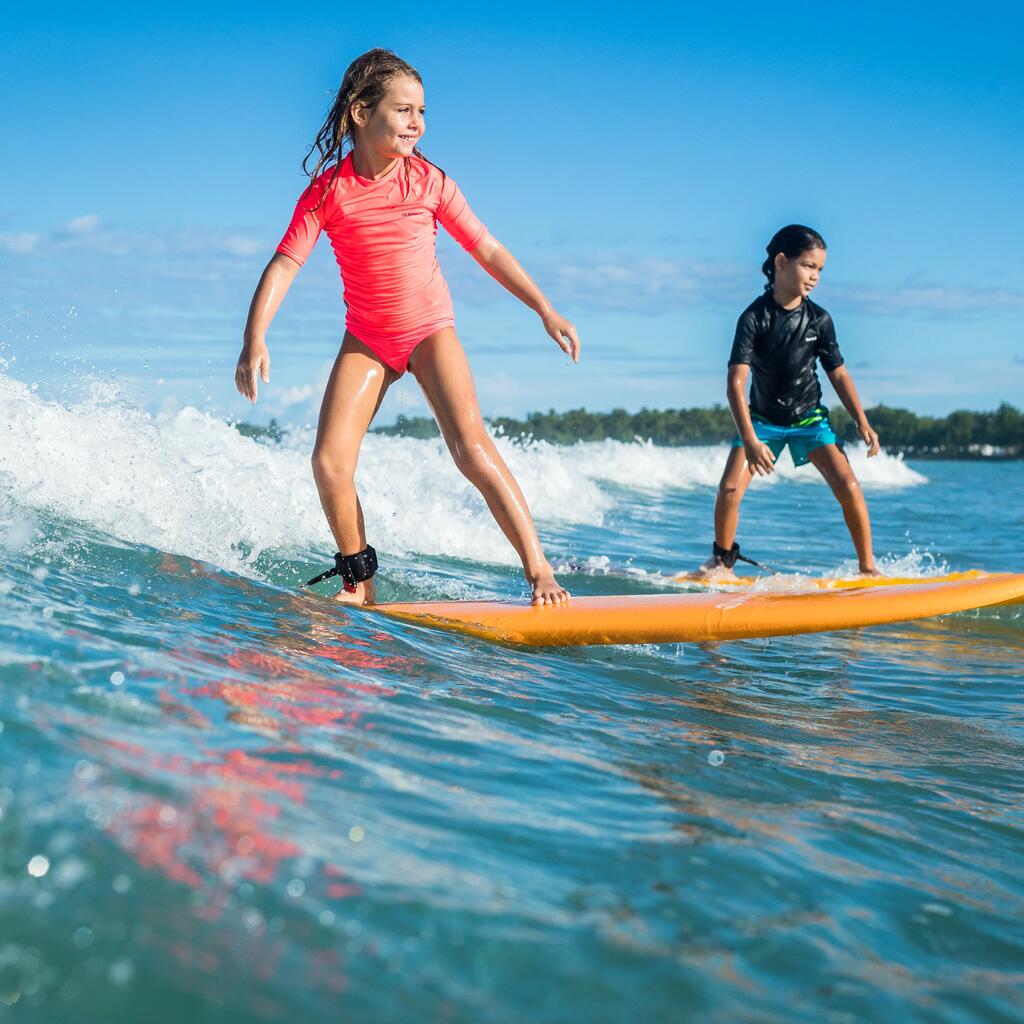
(781, 346)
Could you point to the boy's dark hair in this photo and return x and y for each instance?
(791, 240)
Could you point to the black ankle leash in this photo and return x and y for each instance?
(352, 569)
(729, 556)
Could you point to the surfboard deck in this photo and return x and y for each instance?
(791, 582)
(694, 617)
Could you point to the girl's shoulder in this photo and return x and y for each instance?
(331, 183)
(426, 178)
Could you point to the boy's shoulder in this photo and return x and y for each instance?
(758, 313)
(819, 314)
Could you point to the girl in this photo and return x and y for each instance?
(780, 336)
(380, 205)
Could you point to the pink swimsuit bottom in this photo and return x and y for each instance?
(384, 236)
(395, 350)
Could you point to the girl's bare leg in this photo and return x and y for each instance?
(356, 388)
(442, 370)
(835, 468)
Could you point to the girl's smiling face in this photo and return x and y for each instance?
(799, 276)
(394, 127)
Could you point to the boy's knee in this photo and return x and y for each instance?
(847, 488)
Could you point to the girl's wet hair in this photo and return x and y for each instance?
(366, 81)
(791, 240)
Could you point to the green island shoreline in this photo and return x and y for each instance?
(963, 434)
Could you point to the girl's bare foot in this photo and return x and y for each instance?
(546, 589)
(871, 570)
(365, 594)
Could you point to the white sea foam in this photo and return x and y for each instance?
(644, 465)
(189, 483)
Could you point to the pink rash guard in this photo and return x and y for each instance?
(384, 236)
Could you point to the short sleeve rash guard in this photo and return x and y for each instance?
(781, 346)
(383, 232)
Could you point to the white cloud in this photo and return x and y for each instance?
(82, 225)
(22, 242)
(929, 299)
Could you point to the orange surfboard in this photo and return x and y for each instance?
(678, 618)
(790, 583)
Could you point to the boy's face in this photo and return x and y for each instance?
(800, 275)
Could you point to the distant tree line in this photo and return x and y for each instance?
(961, 434)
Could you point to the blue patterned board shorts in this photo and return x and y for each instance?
(813, 431)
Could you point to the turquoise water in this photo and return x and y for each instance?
(223, 799)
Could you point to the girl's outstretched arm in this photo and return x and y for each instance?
(843, 383)
(760, 458)
(505, 269)
(254, 360)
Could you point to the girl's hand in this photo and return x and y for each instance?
(760, 458)
(564, 334)
(870, 438)
(254, 361)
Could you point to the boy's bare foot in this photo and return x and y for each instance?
(714, 569)
(871, 570)
(546, 589)
(365, 594)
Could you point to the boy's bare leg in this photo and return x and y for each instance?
(835, 468)
(733, 485)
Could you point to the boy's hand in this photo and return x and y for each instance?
(760, 458)
(564, 334)
(253, 362)
(870, 438)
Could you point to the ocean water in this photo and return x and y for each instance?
(225, 799)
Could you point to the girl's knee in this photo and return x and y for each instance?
(332, 466)
(474, 457)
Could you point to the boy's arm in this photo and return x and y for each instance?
(843, 383)
(506, 270)
(760, 458)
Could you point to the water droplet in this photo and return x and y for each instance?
(41, 573)
(135, 590)
(82, 938)
(715, 758)
(121, 972)
(69, 872)
(327, 918)
(47, 613)
(117, 678)
(252, 919)
(38, 866)
(356, 834)
(121, 883)
(296, 887)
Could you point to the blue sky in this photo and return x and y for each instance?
(636, 159)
